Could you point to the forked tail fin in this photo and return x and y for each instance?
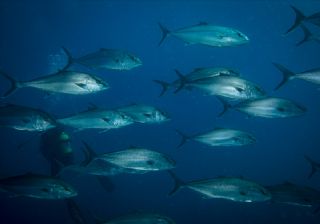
(177, 183)
(226, 106)
(299, 18)
(165, 86)
(14, 84)
(184, 138)
(70, 61)
(165, 33)
(314, 165)
(287, 75)
(307, 35)
(183, 81)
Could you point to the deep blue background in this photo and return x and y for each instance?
(31, 32)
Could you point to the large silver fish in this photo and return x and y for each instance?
(292, 194)
(270, 107)
(144, 114)
(25, 118)
(230, 188)
(226, 86)
(197, 73)
(206, 34)
(96, 118)
(114, 59)
(312, 76)
(221, 137)
(37, 186)
(68, 82)
(140, 218)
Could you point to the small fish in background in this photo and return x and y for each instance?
(312, 75)
(96, 118)
(230, 188)
(315, 166)
(67, 82)
(220, 137)
(138, 218)
(269, 107)
(24, 118)
(297, 195)
(308, 36)
(141, 113)
(206, 34)
(114, 59)
(197, 73)
(37, 186)
(301, 18)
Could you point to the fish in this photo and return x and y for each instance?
(67, 82)
(138, 218)
(114, 59)
(197, 73)
(308, 36)
(24, 118)
(96, 118)
(292, 194)
(220, 137)
(269, 107)
(315, 166)
(229, 188)
(226, 86)
(37, 186)
(129, 161)
(312, 76)
(141, 113)
(300, 18)
(206, 34)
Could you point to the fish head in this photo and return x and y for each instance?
(97, 84)
(254, 193)
(133, 61)
(155, 116)
(288, 108)
(236, 38)
(43, 123)
(244, 139)
(63, 190)
(121, 119)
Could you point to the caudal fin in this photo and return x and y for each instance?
(287, 75)
(165, 86)
(165, 33)
(299, 18)
(70, 58)
(89, 154)
(13, 82)
(177, 183)
(226, 106)
(106, 183)
(183, 80)
(307, 35)
(314, 166)
(184, 138)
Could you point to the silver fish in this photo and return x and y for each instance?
(114, 59)
(230, 188)
(68, 82)
(270, 107)
(206, 34)
(144, 114)
(312, 76)
(25, 118)
(37, 186)
(97, 119)
(221, 137)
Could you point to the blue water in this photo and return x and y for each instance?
(31, 32)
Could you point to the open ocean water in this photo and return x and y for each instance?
(32, 34)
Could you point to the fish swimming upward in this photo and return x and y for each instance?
(206, 34)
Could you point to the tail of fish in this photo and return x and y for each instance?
(165, 33)
(177, 183)
(70, 61)
(183, 81)
(298, 20)
(307, 35)
(226, 106)
(287, 75)
(165, 86)
(106, 183)
(89, 154)
(314, 166)
(184, 138)
(14, 84)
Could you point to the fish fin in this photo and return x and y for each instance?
(177, 183)
(307, 35)
(299, 18)
(313, 164)
(226, 106)
(316, 210)
(14, 84)
(89, 154)
(165, 33)
(106, 119)
(164, 85)
(81, 85)
(184, 138)
(287, 75)
(106, 183)
(183, 80)
(70, 61)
